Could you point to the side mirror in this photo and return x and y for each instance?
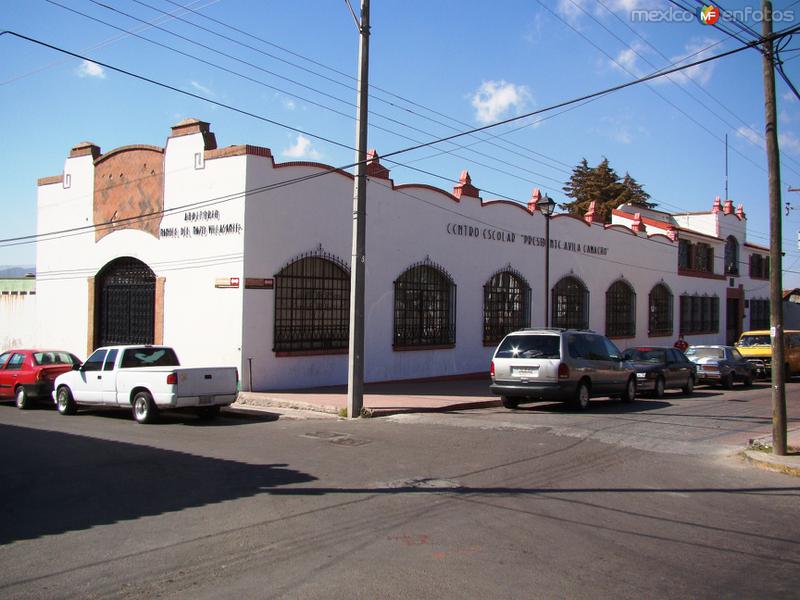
(76, 366)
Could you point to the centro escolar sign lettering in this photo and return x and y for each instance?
(498, 235)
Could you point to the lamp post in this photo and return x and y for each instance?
(546, 206)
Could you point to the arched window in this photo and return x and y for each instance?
(731, 256)
(312, 305)
(570, 304)
(620, 310)
(660, 311)
(125, 298)
(424, 307)
(506, 305)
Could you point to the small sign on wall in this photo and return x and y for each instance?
(259, 283)
(226, 282)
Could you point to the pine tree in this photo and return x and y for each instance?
(603, 186)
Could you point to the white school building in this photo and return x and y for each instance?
(236, 259)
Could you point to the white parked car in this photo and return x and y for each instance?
(144, 379)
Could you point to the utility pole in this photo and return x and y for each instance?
(775, 239)
(355, 362)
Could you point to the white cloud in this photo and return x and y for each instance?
(696, 50)
(619, 129)
(751, 135)
(301, 149)
(627, 59)
(571, 9)
(789, 96)
(201, 88)
(789, 142)
(289, 104)
(89, 69)
(494, 99)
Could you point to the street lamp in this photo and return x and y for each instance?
(546, 206)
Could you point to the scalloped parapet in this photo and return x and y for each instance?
(533, 203)
(374, 166)
(637, 226)
(727, 208)
(465, 187)
(85, 149)
(590, 216)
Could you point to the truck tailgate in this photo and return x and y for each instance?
(206, 381)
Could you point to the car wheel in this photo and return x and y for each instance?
(64, 402)
(581, 398)
(144, 409)
(689, 387)
(207, 413)
(509, 402)
(21, 398)
(727, 381)
(629, 395)
(658, 390)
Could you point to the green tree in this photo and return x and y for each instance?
(605, 188)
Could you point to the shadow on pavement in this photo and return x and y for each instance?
(59, 482)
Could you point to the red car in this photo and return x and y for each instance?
(26, 375)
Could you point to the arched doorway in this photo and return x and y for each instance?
(125, 303)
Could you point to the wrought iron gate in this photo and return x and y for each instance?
(125, 303)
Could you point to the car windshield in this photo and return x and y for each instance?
(695, 352)
(149, 357)
(52, 358)
(755, 340)
(530, 346)
(645, 355)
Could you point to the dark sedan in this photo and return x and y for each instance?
(721, 365)
(658, 369)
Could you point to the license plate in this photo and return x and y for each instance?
(525, 371)
(206, 399)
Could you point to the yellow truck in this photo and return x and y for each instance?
(756, 347)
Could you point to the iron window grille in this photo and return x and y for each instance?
(570, 305)
(125, 300)
(660, 311)
(699, 314)
(731, 256)
(759, 314)
(620, 310)
(424, 307)
(312, 305)
(506, 305)
(695, 256)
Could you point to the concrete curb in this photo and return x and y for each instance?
(790, 465)
(387, 412)
(261, 403)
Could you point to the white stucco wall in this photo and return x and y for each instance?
(18, 321)
(254, 236)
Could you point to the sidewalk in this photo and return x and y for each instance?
(382, 399)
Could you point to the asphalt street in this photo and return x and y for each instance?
(485, 504)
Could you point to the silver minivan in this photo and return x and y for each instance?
(560, 364)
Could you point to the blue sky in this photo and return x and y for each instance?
(436, 67)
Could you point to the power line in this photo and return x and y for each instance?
(661, 73)
(690, 79)
(309, 101)
(656, 92)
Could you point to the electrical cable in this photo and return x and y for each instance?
(777, 35)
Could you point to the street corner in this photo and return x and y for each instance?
(760, 453)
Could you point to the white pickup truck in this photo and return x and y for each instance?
(146, 379)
